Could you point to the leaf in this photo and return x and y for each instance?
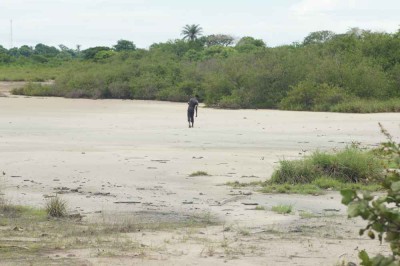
(380, 260)
(348, 196)
(353, 210)
(378, 227)
(367, 196)
(365, 261)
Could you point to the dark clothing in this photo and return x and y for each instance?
(193, 103)
(190, 114)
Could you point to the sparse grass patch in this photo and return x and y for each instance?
(316, 187)
(36, 236)
(307, 189)
(208, 250)
(259, 208)
(13, 211)
(199, 173)
(244, 232)
(282, 209)
(237, 184)
(127, 223)
(307, 215)
(367, 106)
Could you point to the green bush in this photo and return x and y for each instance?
(311, 96)
(341, 73)
(34, 89)
(349, 165)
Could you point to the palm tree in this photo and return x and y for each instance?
(191, 32)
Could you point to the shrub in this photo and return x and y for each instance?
(34, 89)
(312, 96)
(119, 90)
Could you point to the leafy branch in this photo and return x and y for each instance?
(382, 212)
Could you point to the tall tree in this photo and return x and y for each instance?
(318, 37)
(219, 39)
(191, 32)
(124, 45)
(45, 50)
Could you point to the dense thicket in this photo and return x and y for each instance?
(327, 71)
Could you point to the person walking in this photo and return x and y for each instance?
(193, 103)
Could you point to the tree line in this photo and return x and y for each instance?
(357, 71)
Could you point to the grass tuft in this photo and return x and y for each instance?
(199, 173)
(260, 208)
(351, 165)
(56, 207)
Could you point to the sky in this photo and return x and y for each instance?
(92, 23)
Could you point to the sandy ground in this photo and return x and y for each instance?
(100, 152)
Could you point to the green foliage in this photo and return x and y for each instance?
(44, 50)
(368, 106)
(349, 165)
(382, 212)
(353, 72)
(15, 211)
(316, 187)
(250, 41)
(191, 32)
(124, 45)
(29, 72)
(34, 89)
(294, 172)
(306, 189)
(56, 207)
(219, 39)
(101, 55)
(318, 37)
(90, 53)
(311, 96)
